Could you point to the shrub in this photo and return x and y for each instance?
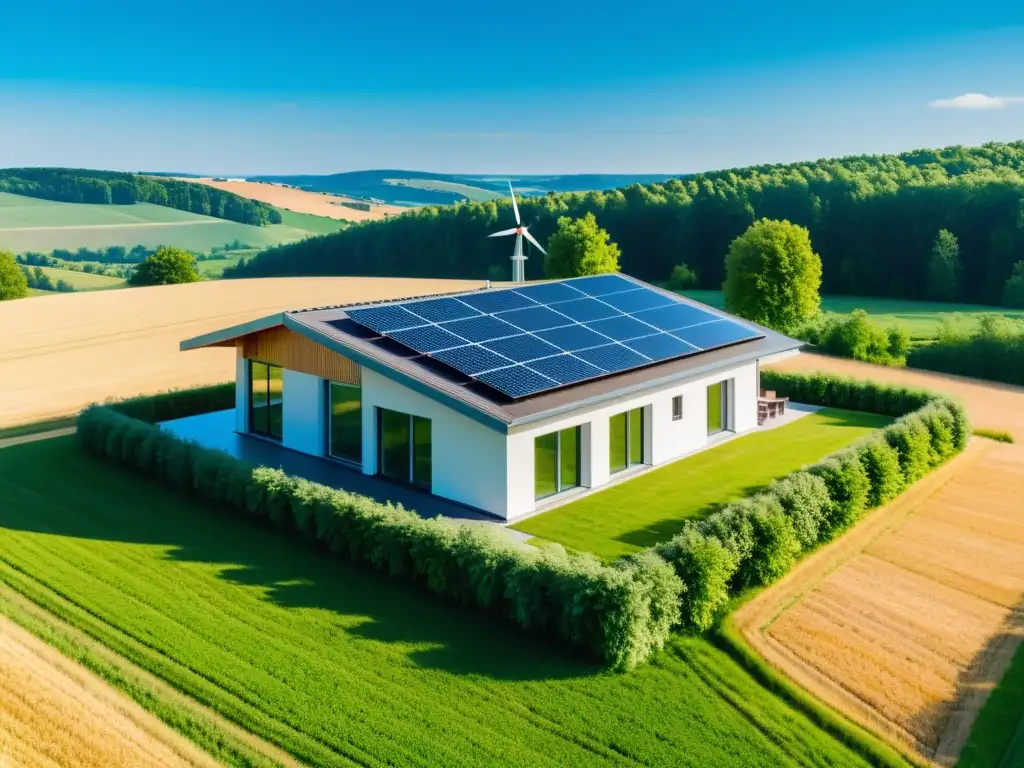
(882, 465)
(994, 351)
(848, 487)
(910, 437)
(999, 435)
(620, 613)
(759, 535)
(705, 567)
(177, 403)
(804, 498)
(682, 277)
(856, 337)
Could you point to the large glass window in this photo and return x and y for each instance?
(346, 421)
(266, 399)
(556, 462)
(716, 408)
(626, 440)
(405, 447)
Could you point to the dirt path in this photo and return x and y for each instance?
(907, 621)
(12, 441)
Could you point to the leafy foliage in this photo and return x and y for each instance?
(705, 567)
(168, 266)
(580, 247)
(995, 350)
(772, 276)
(944, 268)
(682, 277)
(1013, 291)
(856, 337)
(13, 281)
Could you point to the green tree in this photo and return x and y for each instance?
(944, 268)
(13, 281)
(166, 267)
(1013, 292)
(682, 277)
(772, 275)
(580, 247)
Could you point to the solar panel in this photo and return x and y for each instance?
(429, 338)
(517, 381)
(480, 328)
(471, 359)
(565, 369)
(716, 334)
(440, 310)
(533, 338)
(386, 318)
(522, 348)
(535, 318)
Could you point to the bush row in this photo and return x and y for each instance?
(177, 403)
(996, 359)
(756, 540)
(619, 613)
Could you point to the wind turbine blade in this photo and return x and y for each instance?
(514, 206)
(532, 239)
(504, 232)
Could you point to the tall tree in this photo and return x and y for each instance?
(166, 267)
(772, 275)
(13, 282)
(580, 247)
(1013, 291)
(944, 268)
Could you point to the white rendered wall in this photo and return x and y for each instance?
(304, 413)
(241, 391)
(665, 439)
(468, 459)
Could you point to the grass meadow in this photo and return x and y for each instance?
(640, 512)
(997, 739)
(922, 319)
(83, 281)
(341, 666)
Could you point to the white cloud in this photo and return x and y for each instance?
(977, 101)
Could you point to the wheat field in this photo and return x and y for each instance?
(59, 355)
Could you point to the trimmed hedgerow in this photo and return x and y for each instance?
(619, 613)
(886, 479)
(804, 498)
(177, 403)
(705, 567)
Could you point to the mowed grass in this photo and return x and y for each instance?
(30, 224)
(921, 319)
(997, 738)
(655, 505)
(311, 223)
(343, 666)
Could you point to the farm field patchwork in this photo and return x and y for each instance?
(654, 506)
(921, 319)
(83, 281)
(339, 665)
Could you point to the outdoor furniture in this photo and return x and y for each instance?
(768, 405)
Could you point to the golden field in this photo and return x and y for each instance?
(301, 200)
(906, 622)
(59, 355)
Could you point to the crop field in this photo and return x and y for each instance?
(922, 319)
(341, 666)
(301, 201)
(907, 622)
(58, 355)
(54, 713)
(654, 506)
(30, 224)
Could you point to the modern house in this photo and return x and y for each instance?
(506, 400)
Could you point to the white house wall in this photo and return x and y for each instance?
(242, 386)
(468, 459)
(304, 413)
(665, 439)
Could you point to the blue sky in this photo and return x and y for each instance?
(554, 87)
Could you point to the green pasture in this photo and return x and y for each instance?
(997, 738)
(922, 319)
(478, 194)
(310, 223)
(652, 507)
(343, 666)
(83, 281)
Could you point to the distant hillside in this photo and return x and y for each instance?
(413, 188)
(873, 220)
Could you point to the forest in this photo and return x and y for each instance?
(872, 219)
(74, 185)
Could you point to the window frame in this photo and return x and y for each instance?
(267, 433)
(628, 440)
(329, 385)
(410, 478)
(677, 408)
(559, 487)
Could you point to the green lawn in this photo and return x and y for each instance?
(83, 281)
(308, 222)
(654, 506)
(342, 666)
(922, 319)
(997, 738)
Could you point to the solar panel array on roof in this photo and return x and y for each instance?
(532, 338)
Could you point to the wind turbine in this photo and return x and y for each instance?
(518, 271)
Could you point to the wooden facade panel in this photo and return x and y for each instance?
(280, 346)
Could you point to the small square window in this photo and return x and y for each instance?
(677, 408)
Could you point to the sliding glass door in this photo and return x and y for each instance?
(345, 419)
(626, 440)
(404, 448)
(717, 408)
(556, 462)
(266, 399)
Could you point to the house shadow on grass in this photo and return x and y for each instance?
(95, 500)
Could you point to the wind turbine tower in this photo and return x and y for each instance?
(518, 268)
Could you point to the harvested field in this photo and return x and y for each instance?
(302, 201)
(58, 355)
(54, 713)
(907, 622)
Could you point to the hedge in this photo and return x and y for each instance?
(982, 357)
(619, 613)
(756, 540)
(177, 403)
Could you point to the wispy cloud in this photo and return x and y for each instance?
(977, 101)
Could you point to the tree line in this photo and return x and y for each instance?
(75, 185)
(873, 219)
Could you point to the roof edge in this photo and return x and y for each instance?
(215, 338)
